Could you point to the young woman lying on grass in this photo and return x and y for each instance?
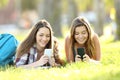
(83, 37)
(31, 52)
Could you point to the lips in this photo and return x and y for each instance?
(81, 40)
(43, 43)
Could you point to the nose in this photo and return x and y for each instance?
(44, 38)
(80, 35)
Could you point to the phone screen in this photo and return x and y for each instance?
(48, 52)
(81, 52)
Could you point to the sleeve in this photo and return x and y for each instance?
(22, 60)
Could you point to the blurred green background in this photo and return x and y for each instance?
(18, 16)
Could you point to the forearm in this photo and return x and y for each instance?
(32, 65)
(94, 61)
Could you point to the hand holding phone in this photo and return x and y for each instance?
(49, 53)
(81, 52)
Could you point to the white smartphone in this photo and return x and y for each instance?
(48, 52)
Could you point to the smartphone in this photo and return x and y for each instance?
(48, 52)
(81, 52)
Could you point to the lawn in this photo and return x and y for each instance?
(108, 69)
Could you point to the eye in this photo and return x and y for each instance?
(47, 35)
(84, 32)
(76, 33)
(41, 35)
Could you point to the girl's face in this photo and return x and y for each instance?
(81, 35)
(42, 37)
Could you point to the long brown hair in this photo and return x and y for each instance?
(89, 45)
(56, 52)
(30, 40)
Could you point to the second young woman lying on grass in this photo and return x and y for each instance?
(82, 36)
(30, 53)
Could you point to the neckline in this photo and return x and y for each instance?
(76, 45)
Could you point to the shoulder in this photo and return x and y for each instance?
(95, 36)
(67, 38)
(67, 41)
(96, 39)
(23, 57)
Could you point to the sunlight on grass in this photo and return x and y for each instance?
(76, 71)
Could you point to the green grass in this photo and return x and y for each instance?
(108, 69)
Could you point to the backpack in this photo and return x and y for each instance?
(8, 45)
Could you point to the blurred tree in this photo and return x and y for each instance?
(52, 13)
(117, 7)
(7, 12)
(28, 4)
(99, 8)
(83, 4)
(3, 3)
(72, 11)
(109, 4)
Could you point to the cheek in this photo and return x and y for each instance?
(48, 39)
(38, 38)
(86, 35)
(76, 37)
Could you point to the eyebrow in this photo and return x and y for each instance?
(82, 31)
(43, 33)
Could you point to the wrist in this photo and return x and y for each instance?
(94, 61)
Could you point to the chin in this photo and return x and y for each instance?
(43, 45)
(81, 42)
